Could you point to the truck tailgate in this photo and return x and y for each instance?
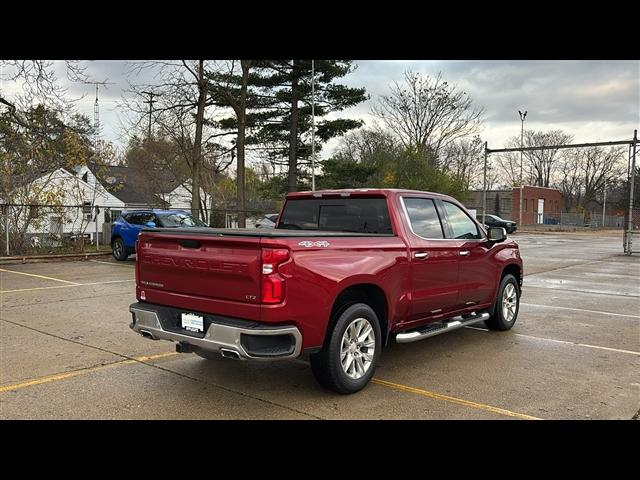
(209, 267)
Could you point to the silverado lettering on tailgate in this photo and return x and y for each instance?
(195, 263)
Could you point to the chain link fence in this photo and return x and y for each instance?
(583, 220)
(53, 229)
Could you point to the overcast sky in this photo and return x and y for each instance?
(592, 100)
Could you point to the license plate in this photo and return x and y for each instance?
(193, 323)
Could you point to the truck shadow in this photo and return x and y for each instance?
(293, 378)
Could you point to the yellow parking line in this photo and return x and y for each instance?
(447, 398)
(39, 276)
(66, 286)
(36, 288)
(82, 371)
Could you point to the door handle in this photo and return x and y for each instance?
(421, 255)
(464, 253)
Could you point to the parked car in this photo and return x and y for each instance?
(495, 221)
(344, 273)
(268, 221)
(125, 230)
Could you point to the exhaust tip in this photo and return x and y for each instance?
(147, 334)
(226, 353)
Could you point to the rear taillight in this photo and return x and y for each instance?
(272, 281)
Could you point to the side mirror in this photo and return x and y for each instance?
(150, 224)
(497, 234)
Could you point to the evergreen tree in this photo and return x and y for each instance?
(284, 122)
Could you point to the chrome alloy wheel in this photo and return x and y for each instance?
(509, 302)
(357, 348)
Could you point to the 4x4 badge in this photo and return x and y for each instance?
(308, 243)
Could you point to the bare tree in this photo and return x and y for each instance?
(539, 166)
(38, 81)
(585, 172)
(366, 144)
(427, 113)
(542, 164)
(508, 166)
(182, 112)
(465, 160)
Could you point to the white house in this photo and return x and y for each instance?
(68, 205)
(179, 198)
(90, 189)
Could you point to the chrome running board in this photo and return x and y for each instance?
(434, 329)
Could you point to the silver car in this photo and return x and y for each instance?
(268, 221)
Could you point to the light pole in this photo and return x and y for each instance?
(313, 126)
(522, 117)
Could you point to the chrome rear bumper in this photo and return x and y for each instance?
(218, 338)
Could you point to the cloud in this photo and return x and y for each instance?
(593, 100)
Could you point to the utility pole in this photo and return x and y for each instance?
(96, 122)
(6, 226)
(632, 175)
(522, 117)
(313, 126)
(604, 202)
(151, 101)
(484, 184)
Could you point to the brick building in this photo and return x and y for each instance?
(539, 204)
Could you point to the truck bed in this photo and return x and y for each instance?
(269, 233)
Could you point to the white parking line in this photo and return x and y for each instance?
(579, 344)
(597, 347)
(113, 263)
(586, 290)
(579, 310)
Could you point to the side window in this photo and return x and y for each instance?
(133, 218)
(462, 226)
(148, 217)
(423, 217)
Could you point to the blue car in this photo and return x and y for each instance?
(124, 231)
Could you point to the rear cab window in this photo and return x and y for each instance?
(423, 217)
(349, 214)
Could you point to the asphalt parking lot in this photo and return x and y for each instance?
(66, 352)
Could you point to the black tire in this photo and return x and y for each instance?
(497, 321)
(327, 366)
(118, 249)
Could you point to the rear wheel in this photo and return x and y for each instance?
(118, 249)
(349, 359)
(507, 305)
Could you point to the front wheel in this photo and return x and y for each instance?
(118, 249)
(507, 305)
(348, 361)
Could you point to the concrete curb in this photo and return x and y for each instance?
(52, 258)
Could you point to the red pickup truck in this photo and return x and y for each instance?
(343, 273)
